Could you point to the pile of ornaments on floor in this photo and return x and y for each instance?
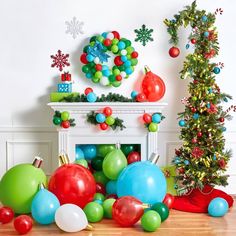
(105, 181)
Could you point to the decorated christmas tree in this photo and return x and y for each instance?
(202, 159)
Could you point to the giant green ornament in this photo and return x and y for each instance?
(20, 184)
(114, 163)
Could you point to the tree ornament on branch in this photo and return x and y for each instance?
(63, 119)
(105, 119)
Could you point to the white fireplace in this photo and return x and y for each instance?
(86, 133)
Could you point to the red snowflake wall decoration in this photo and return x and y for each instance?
(60, 60)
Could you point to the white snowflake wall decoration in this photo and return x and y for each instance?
(74, 27)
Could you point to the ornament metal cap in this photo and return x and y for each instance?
(147, 69)
(41, 186)
(37, 162)
(89, 227)
(64, 159)
(118, 145)
(154, 158)
(146, 205)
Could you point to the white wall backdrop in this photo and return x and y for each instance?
(33, 30)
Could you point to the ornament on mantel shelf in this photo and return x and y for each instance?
(63, 119)
(151, 121)
(60, 60)
(74, 27)
(143, 35)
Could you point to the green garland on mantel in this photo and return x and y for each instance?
(111, 97)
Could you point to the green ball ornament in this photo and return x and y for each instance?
(93, 39)
(116, 84)
(98, 75)
(110, 120)
(134, 62)
(99, 196)
(114, 41)
(116, 72)
(161, 209)
(65, 115)
(104, 149)
(194, 98)
(127, 43)
(86, 49)
(85, 69)
(93, 212)
(107, 207)
(153, 127)
(112, 78)
(129, 49)
(95, 80)
(100, 177)
(97, 163)
(150, 221)
(57, 120)
(127, 148)
(19, 185)
(114, 48)
(114, 163)
(82, 162)
(100, 39)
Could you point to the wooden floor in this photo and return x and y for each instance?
(178, 224)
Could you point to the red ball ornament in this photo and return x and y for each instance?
(65, 124)
(222, 119)
(116, 34)
(194, 140)
(195, 81)
(74, 184)
(90, 168)
(98, 67)
(107, 111)
(88, 90)
(181, 170)
(169, 200)
(153, 86)
(193, 41)
(107, 42)
(174, 52)
(112, 196)
(6, 215)
(83, 58)
(177, 152)
(100, 188)
(104, 126)
(141, 97)
(133, 157)
(127, 211)
(23, 224)
(118, 77)
(199, 134)
(193, 109)
(147, 118)
(118, 61)
(134, 54)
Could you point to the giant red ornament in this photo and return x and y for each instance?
(127, 211)
(169, 200)
(174, 52)
(72, 183)
(153, 86)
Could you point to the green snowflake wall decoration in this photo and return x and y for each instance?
(144, 35)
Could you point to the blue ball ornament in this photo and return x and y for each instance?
(100, 118)
(218, 207)
(156, 118)
(124, 59)
(206, 34)
(216, 70)
(90, 58)
(195, 116)
(204, 18)
(91, 97)
(44, 206)
(105, 67)
(223, 129)
(127, 63)
(104, 34)
(79, 154)
(187, 46)
(186, 162)
(134, 94)
(142, 180)
(88, 75)
(121, 45)
(128, 71)
(214, 157)
(90, 151)
(182, 123)
(106, 73)
(111, 187)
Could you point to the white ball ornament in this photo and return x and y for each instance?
(123, 74)
(123, 52)
(110, 36)
(104, 81)
(96, 60)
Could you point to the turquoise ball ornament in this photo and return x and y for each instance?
(100, 118)
(144, 181)
(216, 70)
(156, 118)
(79, 154)
(204, 18)
(218, 207)
(206, 34)
(134, 94)
(91, 97)
(186, 162)
(182, 123)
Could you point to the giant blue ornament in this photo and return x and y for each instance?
(144, 181)
(44, 206)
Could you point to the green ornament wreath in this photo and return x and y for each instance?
(95, 58)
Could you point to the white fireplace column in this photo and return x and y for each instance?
(86, 133)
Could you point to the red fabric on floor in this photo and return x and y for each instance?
(198, 201)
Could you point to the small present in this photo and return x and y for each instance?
(66, 76)
(170, 173)
(58, 97)
(64, 88)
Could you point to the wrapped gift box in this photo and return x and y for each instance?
(64, 87)
(66, 76)
(170, 173)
